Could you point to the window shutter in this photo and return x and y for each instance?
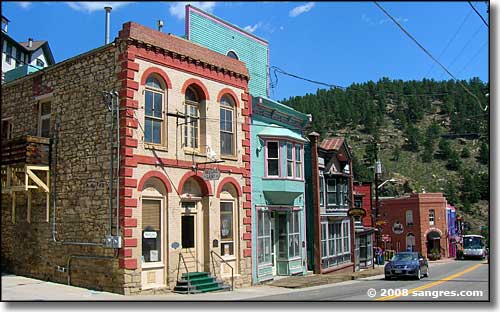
(151, 214)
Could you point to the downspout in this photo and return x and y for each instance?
(117, 233)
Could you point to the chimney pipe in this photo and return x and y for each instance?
(30, 42)
(160, 25)
(108, 11)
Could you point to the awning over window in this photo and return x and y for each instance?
(275, 131)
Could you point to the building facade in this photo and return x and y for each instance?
(453, 237)
(22, 58)
(278, 190)
(329, 192)
(416, 223)
(363, 224)
(183, 181)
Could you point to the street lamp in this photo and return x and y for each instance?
(390, 180)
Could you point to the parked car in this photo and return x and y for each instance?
(407, 264)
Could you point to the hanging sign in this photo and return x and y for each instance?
(356, 212)
(397, 228)
(211, 174)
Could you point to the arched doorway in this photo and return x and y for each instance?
(433, 243)
(194, 225)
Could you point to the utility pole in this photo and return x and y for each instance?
(378, 171)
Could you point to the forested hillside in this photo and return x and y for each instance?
(430, 135)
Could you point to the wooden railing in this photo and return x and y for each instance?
(30, 150)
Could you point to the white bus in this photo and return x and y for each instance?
(474, 246)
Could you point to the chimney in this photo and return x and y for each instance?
(30, 42)
(160, 25)
(106, 37)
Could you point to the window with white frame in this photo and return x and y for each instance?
(263, 237)
(298, 161)
(289, 160)
(321, 190)
(335, 240)
(192, 111)
(19, 58)
(44, 119)
(153, 111)
(409, 217)
(227, 125)
(337, 190)
(8, 53)
(431, 216)
(272, 159)
(151, 231)
(294, 234)
(331, 192)
(227, 228)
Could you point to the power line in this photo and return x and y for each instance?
(478, 14)
(430, 55)
(473, 58)
(449, 42)
(281, 71)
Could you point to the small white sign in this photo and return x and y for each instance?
(153, 255)
(150, 234)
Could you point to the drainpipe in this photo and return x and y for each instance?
(314, 137)
(115, 93)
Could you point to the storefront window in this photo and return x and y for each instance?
(263, 237)
(293, 234)
(324, 242)
(151, 230)
(226, 228)
(282, 236)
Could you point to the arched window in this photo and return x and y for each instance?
(410, 242)
(233, 55)
(228, 220)
(192, 110)
(227, 125)
(153, 111)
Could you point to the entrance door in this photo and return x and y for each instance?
(189, 237)
(273, 243)
(281, 240)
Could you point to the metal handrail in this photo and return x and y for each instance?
(187, 271)
(224, 261)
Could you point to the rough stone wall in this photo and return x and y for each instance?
(74, 88)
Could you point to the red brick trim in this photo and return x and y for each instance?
(247, 252)
(126, 252)
(229, 180)
(130, 242)
(199, 84)
(130, 264)
(205, 185)
(154, 174)
(181, 164)
(158, 71)
(231, 93)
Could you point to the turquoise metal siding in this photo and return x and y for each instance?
(20, 71)
(222, 39)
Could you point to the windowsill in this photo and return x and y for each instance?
(229, 157)
(152, 265)
(155, 147)
(191, 151)
(282, 178)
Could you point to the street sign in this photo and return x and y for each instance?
(386, 237)
(211, 174)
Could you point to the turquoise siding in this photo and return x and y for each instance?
(222, 38)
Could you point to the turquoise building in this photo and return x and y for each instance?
(277, 148)
(278, 190)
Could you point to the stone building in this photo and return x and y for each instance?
(416, 222)
(184, 167)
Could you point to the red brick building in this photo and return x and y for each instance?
(416, 222)
(364, 230)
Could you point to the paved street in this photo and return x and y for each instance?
(451, 276)
(447, 276)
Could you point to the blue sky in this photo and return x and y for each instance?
(334, 42)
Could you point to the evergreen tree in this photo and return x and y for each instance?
(484, 153)
(444, 148)
(396, 153)
(454, 162)
(465, 153)
(414, 137)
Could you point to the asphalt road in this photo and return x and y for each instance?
(452, 281)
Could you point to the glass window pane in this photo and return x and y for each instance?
(226, 221)
(272, 149)
(267, 224)
(153, 82)
(157, 131)
(260, 250)
(289, 149)
(158, 103)
(273, 168)
(148, 107)
(260, 224)
(296, 223)
(45, 108)
(148, 130)
(187, 224)
(227, 248)
(298, 170)
(151, 231)
(289, 168)
(297, 153)
(45, 128)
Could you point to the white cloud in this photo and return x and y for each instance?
(178, 9)
(253, 28)
(369, 21)
(90, 7)
(399, 19)
(24, 4)
(301, 9)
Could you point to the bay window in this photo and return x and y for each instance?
(289, 160)
(272, 159)
(298, 161)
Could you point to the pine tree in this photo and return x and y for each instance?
(484, 154)
(396, 153)
(454, 162)
(465, 153)
(444, 148)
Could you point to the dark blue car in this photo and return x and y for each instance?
(407, 264)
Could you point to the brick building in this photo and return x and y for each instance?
(416, 222)
(173, 96)
(363, 224)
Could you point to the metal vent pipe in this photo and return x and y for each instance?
(108, 13)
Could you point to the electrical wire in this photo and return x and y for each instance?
(475, 55)
(430, 55)
(449, 42)
(281, 71)
(478, 14)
